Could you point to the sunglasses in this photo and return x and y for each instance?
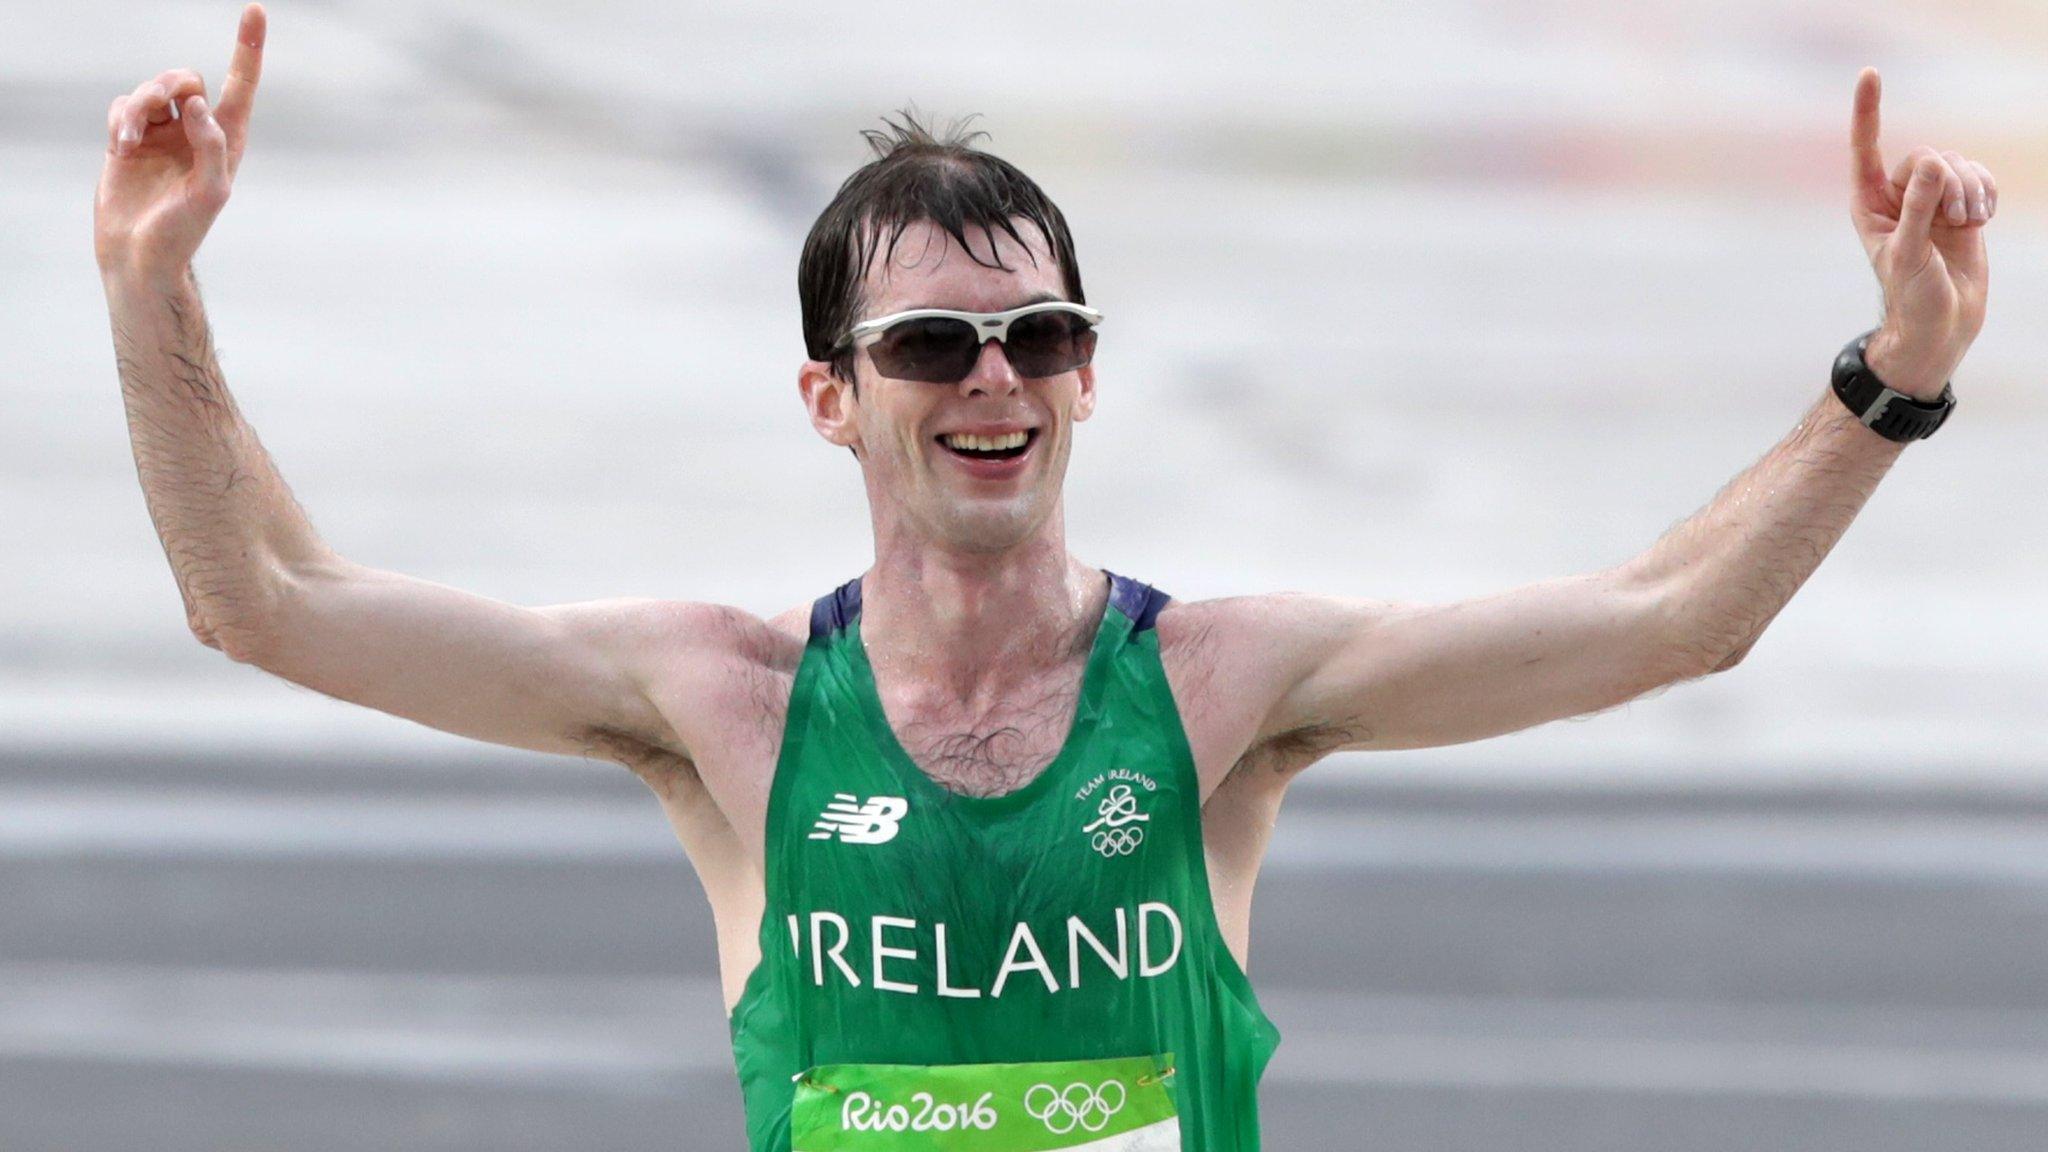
(941, 346)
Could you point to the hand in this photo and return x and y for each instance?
(1922, 227)
(171, 161)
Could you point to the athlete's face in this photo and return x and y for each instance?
(897, 427)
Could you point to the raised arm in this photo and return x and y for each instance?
(1376, 674)
(258, 582)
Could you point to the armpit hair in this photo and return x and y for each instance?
(658, 767)
(1286, 753)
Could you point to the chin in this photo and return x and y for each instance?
(992, 529)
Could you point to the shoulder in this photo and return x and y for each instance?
(715, 671)
(683, 636)
(1268, 636)
(1232, 660)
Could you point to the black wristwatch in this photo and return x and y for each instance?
(1893, 415)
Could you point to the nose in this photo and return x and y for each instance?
(992, 372)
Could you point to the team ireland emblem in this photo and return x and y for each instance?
(1114, 831)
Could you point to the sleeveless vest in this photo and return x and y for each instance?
(952, 971)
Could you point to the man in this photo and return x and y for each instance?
(979, 827)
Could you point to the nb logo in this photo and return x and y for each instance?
(1083, 1106)
(1117, 809)
(847, 819)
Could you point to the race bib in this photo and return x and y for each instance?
(1118, 1105)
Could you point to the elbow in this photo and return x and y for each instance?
(1735, 657)
(240, 643)
(247, 625)
(244, 628)
(1685, 648)
(1693, 659)
(203, 629)
(204, 633)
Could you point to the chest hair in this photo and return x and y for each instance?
(1003, 748)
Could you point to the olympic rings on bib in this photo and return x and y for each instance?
(1078, 1105)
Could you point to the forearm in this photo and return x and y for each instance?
(1730, 568)
(229, 525)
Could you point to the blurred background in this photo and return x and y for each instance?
(1404, 300)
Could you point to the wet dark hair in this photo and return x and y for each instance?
(915, 176)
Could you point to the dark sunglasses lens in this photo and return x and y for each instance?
(934, 349)
(1049, 343)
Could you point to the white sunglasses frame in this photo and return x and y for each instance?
(987, 325)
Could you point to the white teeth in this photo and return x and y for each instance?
(986, 443)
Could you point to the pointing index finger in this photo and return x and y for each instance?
(239, 90)
(1865, 159)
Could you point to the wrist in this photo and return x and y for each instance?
(1885, 410)
(142, 282)
(1915, 376)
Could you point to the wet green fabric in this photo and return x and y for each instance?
(1070, 919)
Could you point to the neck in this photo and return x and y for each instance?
(972, 625)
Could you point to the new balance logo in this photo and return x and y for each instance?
(847, 819)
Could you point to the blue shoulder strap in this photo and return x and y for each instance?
(832, 612)
(1137, 600)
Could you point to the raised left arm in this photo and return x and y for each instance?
(1375, 674)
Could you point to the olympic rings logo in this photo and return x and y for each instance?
(1077, 1106)
(1118, 841)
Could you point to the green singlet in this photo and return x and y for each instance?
(1036, 970)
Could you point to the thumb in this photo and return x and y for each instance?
(1916, 216)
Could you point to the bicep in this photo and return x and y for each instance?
(572, 679)
(1392, 675)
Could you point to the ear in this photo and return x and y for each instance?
(1084, 403)
(831, 401)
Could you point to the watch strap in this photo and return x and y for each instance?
(1889, 413)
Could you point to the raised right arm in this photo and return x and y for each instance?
(257, 581)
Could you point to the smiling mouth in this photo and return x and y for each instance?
(977, 453)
